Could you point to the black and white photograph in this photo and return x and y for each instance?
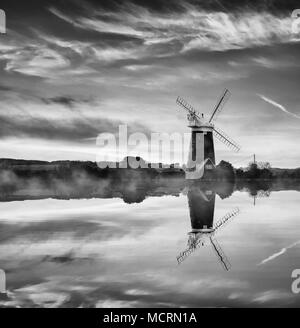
(149, 156)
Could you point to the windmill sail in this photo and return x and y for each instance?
(192, 113)
(219, 134)
(220, 104)
(195, 240)
(184, 104)
(222, 222)
(220, 254)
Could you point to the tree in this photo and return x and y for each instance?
(225, 171)
(261, 170)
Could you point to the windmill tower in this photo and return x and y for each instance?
(202, 205)
(201, 151)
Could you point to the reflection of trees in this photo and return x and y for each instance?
(224, 190)
(255, 187)
(263, 193)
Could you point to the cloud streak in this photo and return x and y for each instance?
(279, 106)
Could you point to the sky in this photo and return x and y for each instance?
(70, 70)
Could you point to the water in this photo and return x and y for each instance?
(104, 252)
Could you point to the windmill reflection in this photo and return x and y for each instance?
(201, 202)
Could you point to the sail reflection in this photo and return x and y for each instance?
(201, 200)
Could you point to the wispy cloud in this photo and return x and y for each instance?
(275, 63)
(221, 31)
(192, 28)
(134, 60)
(62, 118)
(277, 105)
(35, 61)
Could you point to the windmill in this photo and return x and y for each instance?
(202, 205)
(205, 235)
(201, 151)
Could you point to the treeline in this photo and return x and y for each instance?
(225, 171)
(264, 171)
(65, 170)
(254, 171)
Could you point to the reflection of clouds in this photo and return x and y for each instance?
(129, 256)
(272, 295)
(111, 303)
(114, 254)
(267, 298)
(205, 284)
(137, 292)
(277, 254)
(70, 290)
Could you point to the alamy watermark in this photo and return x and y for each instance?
(123, 150)
(2, 282)
(296, 283)
(296, 21)
(2, 22)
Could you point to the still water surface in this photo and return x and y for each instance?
(192, 250)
